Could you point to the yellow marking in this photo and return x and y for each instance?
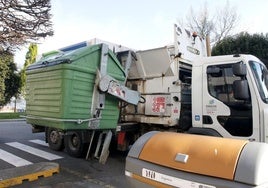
(28, 177)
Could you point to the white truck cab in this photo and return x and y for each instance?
(229, 97)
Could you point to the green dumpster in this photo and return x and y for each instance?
(62, 92)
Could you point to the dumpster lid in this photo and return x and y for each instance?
(69, 56)
(204, 155)
(52, 58)
(42, 64)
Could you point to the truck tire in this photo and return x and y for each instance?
(54, 139)
(74, 144)
(185, 121)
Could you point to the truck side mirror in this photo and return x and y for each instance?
(240, 89)
(240, 69)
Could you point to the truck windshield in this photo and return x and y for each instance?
(261, 77)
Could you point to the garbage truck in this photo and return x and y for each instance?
(186, 90)
(87, 94)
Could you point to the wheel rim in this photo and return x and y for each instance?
(54, 137)
(75, 142)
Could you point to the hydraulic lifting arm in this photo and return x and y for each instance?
(113, 87)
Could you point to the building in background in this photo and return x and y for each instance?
(16, 105)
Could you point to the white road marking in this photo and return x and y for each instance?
(34, 151)
(40, 142)
(13, 159)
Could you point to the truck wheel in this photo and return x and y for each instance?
(74, 144)
(185, 121)
(54, 139)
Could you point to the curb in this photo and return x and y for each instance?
(15, 176)
(8, 120)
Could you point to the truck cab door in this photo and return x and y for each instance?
(227, 102)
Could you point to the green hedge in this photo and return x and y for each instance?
(11, 115)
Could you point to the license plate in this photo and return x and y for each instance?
(173, 181)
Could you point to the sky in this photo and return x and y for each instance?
(139, 24)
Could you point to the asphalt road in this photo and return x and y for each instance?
(74, 172)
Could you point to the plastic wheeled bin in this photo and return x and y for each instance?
(165, 159)
(62, 89)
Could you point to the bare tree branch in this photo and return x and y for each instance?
(200, 22)
(23, 21)
(218, 26)
(226, 21)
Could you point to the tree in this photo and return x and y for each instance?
(30, 59)
(9, 77)
(226, 20)
(244, 43)
(22, 21)
(200, 22)
(12, 83)
(217, 27)
(4, 59)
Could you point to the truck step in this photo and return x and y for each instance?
(102, 149)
